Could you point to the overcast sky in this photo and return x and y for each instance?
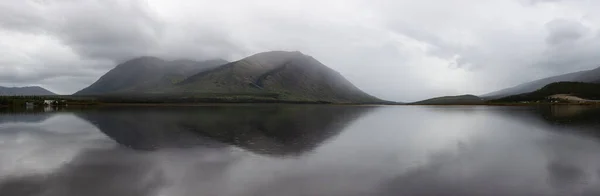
(402, 50)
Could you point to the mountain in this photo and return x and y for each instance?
(454, 100)
(277, 75)
(564, 91)
(590, 76)
(29, 90)
(142, 74)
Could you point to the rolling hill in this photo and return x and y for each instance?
(452, 100)
(29, 90)
(589, 76)
(577, 91)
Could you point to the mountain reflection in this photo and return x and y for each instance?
(111, 176)
(265, 129)
(186, 151)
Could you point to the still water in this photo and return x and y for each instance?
(294, 150)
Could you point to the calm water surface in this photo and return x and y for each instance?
(301, 150)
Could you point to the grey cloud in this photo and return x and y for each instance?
(22, 16)
(108, 30)
(114, 30)
(563, 31)
(541, 1)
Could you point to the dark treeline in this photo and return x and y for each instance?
(22, 101)
(181, 98)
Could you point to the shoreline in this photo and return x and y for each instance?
(331, 104)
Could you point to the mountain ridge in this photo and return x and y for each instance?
(454, 100)
(146, 72)
(275, 76)
(26, 91)
(589, 76)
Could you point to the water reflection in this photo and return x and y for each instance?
(330, 150)
(267, 129)
(8, 115)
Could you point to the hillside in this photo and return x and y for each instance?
(143, 74)
(27, 91)
(589, 76)
(452, 100)
(278, 75)
(568, 90)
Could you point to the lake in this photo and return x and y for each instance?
(301, 150)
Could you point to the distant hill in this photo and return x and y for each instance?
(276, 76)
(452, 100)
(143, 74)
(29, 90)
(589, 76)
(568, 90)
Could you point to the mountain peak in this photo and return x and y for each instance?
(290, 76)
(144, 73)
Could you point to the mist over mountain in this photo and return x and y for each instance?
(29, 90)
(268, 76)
(142, 74)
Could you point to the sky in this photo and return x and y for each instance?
(400, 50)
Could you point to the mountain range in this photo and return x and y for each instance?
(277, 76)
(27, 91)
(589, 76)
(581, 83)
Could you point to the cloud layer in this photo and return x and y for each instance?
(396, 49)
